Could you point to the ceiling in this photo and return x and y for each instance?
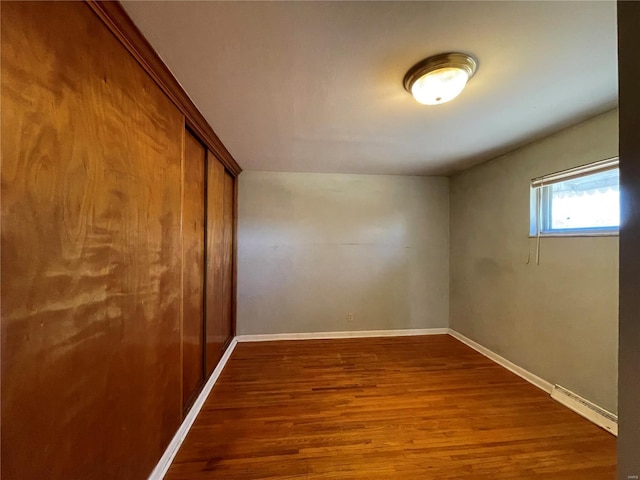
(317, 86)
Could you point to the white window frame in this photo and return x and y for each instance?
(539, 222)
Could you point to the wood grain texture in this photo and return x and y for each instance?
(91, 252)
(215, 257)
(193, 235)
(385, 408)
(115, 17)
(234, 259)
(226, 329)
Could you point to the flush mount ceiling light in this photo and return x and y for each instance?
(440, 78)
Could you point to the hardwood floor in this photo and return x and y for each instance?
(375, 408)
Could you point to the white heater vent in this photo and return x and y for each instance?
(590, 411)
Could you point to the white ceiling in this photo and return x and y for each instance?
(317, 86)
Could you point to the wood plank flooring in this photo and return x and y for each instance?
(384, 408)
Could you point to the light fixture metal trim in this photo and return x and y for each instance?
(437, 62)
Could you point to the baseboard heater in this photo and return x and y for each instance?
(588, 410)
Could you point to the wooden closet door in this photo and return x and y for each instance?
(90, 251)
(193, 231)
(215, 254)
(226, 321)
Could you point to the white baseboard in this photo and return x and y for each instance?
(169, 454)
(581, 406)
(521, 372)
(269, 337)
(587, 409)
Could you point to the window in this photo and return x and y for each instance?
(579, 201)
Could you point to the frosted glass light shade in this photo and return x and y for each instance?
(440, 78)
(440, 86)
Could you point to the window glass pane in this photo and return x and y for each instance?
(592, 201)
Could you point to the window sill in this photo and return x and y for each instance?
(573, 235)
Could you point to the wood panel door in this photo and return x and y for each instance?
(193, 262)
(220, 248)
(91, 251)
(215, 254)
(226, 320)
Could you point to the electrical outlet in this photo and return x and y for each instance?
(349, 317)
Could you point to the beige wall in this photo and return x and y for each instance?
(313, 248)
(558, 319)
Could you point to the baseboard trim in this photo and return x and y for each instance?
(270, 337)
(589, 410)
(169, 454)
(568, 399)
(512, 367)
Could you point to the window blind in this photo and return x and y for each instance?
(589, 169)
